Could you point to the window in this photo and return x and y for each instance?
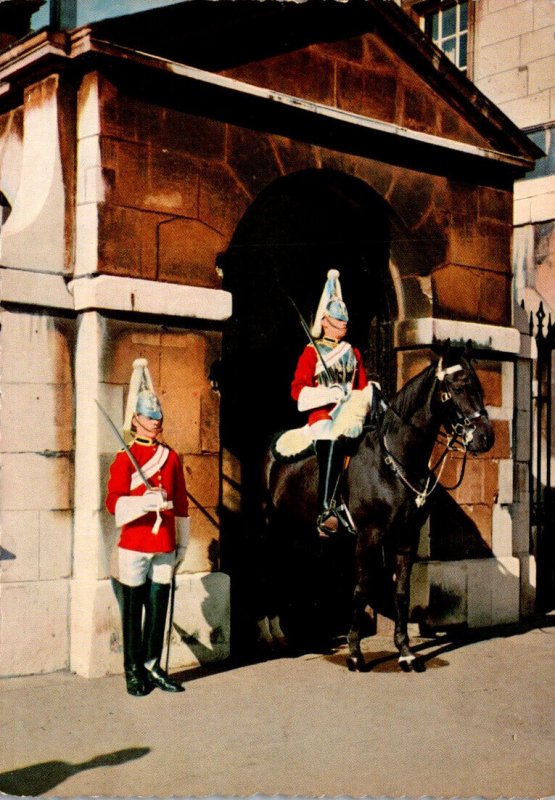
(448, 23)
(544, 137)
(448, 28)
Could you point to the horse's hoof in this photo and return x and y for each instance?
(418, 665)
(407, 662)
(355, 663)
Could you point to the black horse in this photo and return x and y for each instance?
(388, 484)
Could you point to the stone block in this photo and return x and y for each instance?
(489, 374)
(502, 445)
(488, 59)
(33, 627)
(202, 474)
(128, 241)
(542, 209)
(523, 445)
(506, 590)
(447, 604)
(527, 111)
(505, 471)
(55, 539)
(36, 482)
(537, 44)
(222, 200)
(90, 181)
(520, 515)
(200, 634)
(544, 14)
(457, 290)
(419, 590)
(479, 593)
(96, 639)
(88, 118)
(507, 23)
(481, 515)
(44, 340)
(527, 585)
(505, 86)
(86, 239)
(248, 148)
(37, 418)
(502, 532)
(201, 629)
(203, 550)
(187, 252)
(209, 421)
(20, 546)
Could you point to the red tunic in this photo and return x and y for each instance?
(305, 375)
(137, 535)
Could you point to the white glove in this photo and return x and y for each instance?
(130, 508)
(156, 500)
(182, 532)
(316, 396)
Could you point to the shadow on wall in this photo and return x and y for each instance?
(453, 534)
(40, 778)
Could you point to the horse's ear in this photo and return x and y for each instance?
(442, 348)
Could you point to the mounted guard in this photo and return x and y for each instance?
(331, 385)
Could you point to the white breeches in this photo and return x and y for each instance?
(135, 567)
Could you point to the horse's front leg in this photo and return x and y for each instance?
(403, 567)
(355, 659)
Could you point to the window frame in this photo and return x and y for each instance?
(420, 10)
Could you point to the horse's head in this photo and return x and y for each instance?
(462, 402)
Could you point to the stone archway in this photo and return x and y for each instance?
(298, 228)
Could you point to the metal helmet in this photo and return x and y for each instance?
(331, 303)
(142, 398)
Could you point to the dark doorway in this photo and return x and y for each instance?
(296, 230)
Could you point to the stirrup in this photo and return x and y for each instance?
(328, 522)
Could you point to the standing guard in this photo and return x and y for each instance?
(328, 371)
(148, 496)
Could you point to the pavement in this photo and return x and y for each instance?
(479, 722)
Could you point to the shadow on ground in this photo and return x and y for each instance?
(40, 778)
(429, 648)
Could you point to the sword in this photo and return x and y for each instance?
(311, 339)
(156, 526)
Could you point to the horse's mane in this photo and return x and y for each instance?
(409, 399)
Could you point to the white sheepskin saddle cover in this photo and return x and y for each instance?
(348, 421)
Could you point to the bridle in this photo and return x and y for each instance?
(462, 431)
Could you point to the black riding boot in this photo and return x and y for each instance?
(155, 626)
(132, 598)
(330, 466)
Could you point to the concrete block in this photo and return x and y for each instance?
(203, 550)
(505, 606)
(33, 627)
(526, 111)
(505, 86)
(96, 642)
(55, 540)
(33, 481)
(419, 590)
(201, 630)
(86, 239)
(479, 593)
(489, 58)
(506, 23)
(542, 209)
(200, 633)
(502, 531)
(544, 14)
(22, 408)
(520, 514)
(20, 541)
(527, 585)
(43, 340)
(537, 44)
(505, 494)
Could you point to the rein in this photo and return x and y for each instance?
(461, 433)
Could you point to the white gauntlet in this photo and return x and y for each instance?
(316, 396)
(131, 507)
(182, 533)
